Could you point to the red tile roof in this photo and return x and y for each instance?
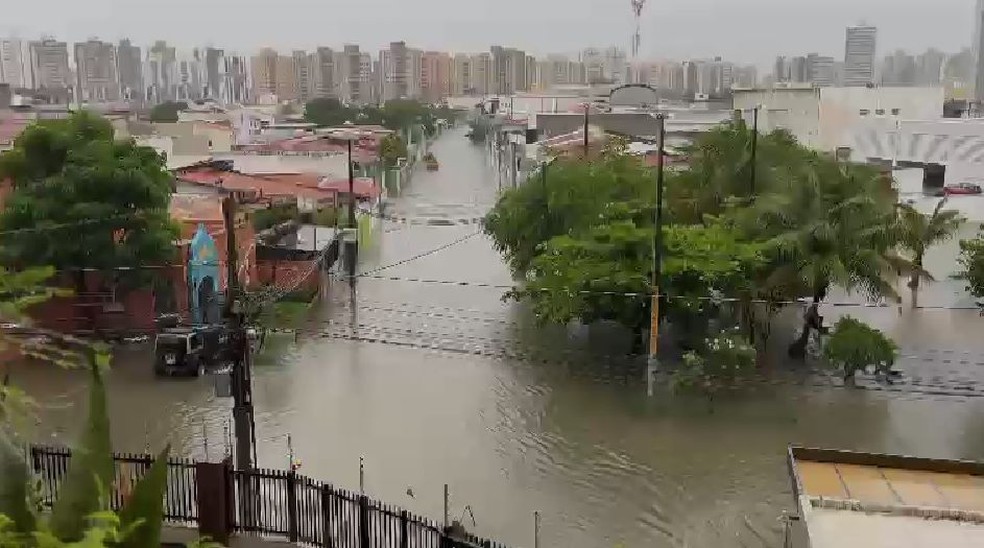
(364, 187)
(11, 128)
(196, 207)
(304, 185)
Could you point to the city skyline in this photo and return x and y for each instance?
(667, 27)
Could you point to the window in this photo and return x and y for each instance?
(896, 111)
(864, 112)
(880, 112)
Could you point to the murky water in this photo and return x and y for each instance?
(512, 432)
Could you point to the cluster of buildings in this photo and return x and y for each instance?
(860, 67)
(94, 71)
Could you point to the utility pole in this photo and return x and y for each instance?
(755, 133)
(586, 107)
(241, 378)
(653, 363)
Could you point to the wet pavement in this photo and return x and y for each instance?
(432, 378)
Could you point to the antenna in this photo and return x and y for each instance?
(637, 6)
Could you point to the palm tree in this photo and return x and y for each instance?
(916, 233)
(829, 226)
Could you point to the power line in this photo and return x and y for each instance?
(59, 226)
(646, 294)
(419, 255)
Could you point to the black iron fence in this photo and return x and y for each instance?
(272, 502)
(51, 465)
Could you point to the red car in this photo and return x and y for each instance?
(962, 188)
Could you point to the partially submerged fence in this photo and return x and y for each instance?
(280, 503)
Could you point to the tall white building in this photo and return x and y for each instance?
(605, 65)
(96, 72)
(859, 56)
(15, 63)
(978, 47)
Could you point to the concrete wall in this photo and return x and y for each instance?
(843, 109)
(796, 110)
(827, 118)
(335, 165)
(957, 144)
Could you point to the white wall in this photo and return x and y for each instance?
(827, 118)
(958, 144)
(796, 110)
(842, 109)
(333, 165)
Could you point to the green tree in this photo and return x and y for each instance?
(328, 111)
(168, 111)
(391, 149)
(971, 261)
(918, 232)
(854, 346)
(72, 178)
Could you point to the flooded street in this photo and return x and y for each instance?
(455, 387)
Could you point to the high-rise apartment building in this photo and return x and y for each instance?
(236, 84)
(214, 74)
(264, 70)
(15, 63)
(978, 51)
(323, 66)
(898, 69)
(49, 66)
(781, 70)
(395, 63)
(161, 76)
(304, 75)
(285, 79)
(97, 79)
(859, 55)
(820, 69)
(189, 76)
(355, 83)
(929, 67)
(508, 70)
(607, 66)
(435, 76)
(129, 68)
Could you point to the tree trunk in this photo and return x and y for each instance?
(914, 279)
(797, 350)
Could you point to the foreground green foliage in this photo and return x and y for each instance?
(81, 516)
(854, 346)
(391, 149)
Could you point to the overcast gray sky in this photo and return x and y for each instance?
(740, 30)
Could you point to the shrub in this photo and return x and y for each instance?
(724, 362)
(854, 346)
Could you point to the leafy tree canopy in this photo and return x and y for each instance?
(392, 148)
(167, 111)
(82, 199)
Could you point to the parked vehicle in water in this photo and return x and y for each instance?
(962, 188)
(431, 162)
(190, 350)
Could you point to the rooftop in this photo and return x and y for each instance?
(849, 499)
(303, 185)
(196, 207)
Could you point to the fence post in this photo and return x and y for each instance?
(292, 506)
(404, 530)
(326, 494)
(212, 497)
(363, 522)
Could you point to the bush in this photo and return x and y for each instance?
(854, 346)
(724, 362)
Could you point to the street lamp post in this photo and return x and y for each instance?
(755, 132)
(351, 181)
(586, 106)
(653, 363)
